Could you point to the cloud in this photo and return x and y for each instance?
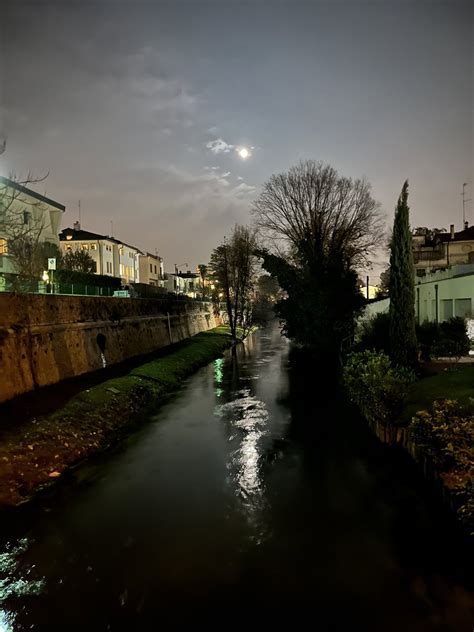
(219, 146)
(243, 189)
(226, 174)
(239, 178)
(213, 130)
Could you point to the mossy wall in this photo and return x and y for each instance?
(45, 338)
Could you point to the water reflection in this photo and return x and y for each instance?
(249, 416)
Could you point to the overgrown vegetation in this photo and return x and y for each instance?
(375, 386)
(446, 436)
(38, 451)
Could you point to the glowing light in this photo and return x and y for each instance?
(243, 152)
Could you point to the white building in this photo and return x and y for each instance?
(112, 256)
(438, 296)
(182, 283)
(151, 270)
(25, 213)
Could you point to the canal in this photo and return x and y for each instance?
(255, 493)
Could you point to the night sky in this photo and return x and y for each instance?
(138, 108)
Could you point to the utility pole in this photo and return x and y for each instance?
(464, 203)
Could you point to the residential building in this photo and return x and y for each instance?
(439, 295)
(101, 248)
(437, 251)
(151, 270)
(182, 283)
(112, 257)
(25, 213)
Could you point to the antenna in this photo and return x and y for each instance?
(464, 202)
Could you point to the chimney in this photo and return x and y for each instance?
(466, 224)
(451, 229)
(77, 226)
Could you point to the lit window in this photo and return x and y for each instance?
(3, 247)
(85, 246)
(93, 246)
(68, 236)
(68, 247)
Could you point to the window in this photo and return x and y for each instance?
(155, 269)
(3, 247)
(68, 236)
(26, 217)
(68, 247)
(85, 246)
(122, 270)
(446, 309)
(151, 268)
(93, 246)
(462, 307)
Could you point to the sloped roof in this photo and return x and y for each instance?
(85, 235)
(42, 198)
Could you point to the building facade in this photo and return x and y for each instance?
(439, 250)
(151, 270)
(25, 214)
(182, 283)
(439, 296)
(111, 256)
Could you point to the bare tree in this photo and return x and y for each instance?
(22, 223)
(314, 213)
(233, 267)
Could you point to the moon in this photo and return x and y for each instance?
(243, 152)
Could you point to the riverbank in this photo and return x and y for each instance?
(37, 452)
(431, 418)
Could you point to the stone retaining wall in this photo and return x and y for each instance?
(45, 338)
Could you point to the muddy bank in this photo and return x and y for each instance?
(40, 450)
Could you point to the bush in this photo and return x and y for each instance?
(454, 341)
(373, 333)
(446, 437)
(378, 388)
(449, 339)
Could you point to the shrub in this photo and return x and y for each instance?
(448, 339)
(378, 388)
(454, 341)
(373, 333)
(446, 437)
(428, 335)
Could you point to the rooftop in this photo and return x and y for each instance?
(85, 235)
(42, 198)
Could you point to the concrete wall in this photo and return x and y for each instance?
(45, 339)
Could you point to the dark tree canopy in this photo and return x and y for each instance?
(79, 261)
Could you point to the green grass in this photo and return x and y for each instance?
(456, 383)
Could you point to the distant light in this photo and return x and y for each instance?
(243, 152)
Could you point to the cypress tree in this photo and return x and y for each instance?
(403, 345)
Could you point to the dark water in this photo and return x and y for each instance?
(255, 494)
